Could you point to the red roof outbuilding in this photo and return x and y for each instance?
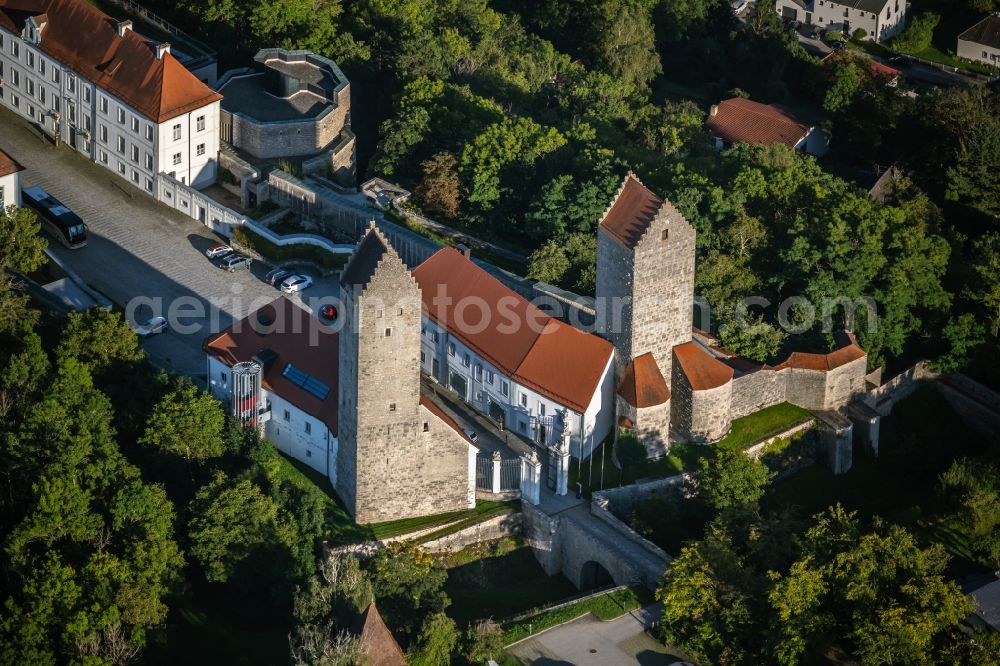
(740, 120)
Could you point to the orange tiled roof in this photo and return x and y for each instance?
(743, 121)
(520, 340)
(290, 337)
(376, 645)
(8, 165)
(629, 215)
(703, 371)
(849, 351)
(86, 40)
(642, 383)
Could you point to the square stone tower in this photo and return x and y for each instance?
(645, 276)
(379, 418)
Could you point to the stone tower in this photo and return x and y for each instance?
(645, 276)
(380, 417)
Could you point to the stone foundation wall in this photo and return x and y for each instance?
(289, 138)
(498, 527)
(613, 305)
(653, 429)
(845, 383)
(807, 388)
(711, 419)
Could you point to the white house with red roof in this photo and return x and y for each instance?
(10, 181)
(111, 94)
(509, 360)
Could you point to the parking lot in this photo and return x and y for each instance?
(142, 255)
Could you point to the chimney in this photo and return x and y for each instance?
(162, 49)
(464, 249)
(123, 27)
(714, 110)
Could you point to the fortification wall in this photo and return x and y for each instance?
(614, 298)
(845, 383)
(711, 418)
(756, 390)
(807, 388)
(652, 426)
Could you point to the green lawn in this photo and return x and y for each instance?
(502, 585)
(484, 509)
(605, 607)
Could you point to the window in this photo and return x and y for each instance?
(121, 167)
(15, 49)
(388, 332)
(436, 336)
(135, 124)
(103, 133)
(121, 115)
(309, 428)
(177, 132)
(86, 94)
(121, 145)
(479, 372)
(15, 77)
(541, 408)
(523, 427)
(15, 101)
(490, 376)
(31, 60)
(135, 176)
(149, 132)
(451, 348)
(201, 123)
(201, 149)
(41, 94)
(135, 153)
(466, 361)
(505, 388)
(41, 66)
(423, 357)
(149, 185)
(427, 426)
(149, 161)
(177, 158)
(31, 86)
(71, 111)
(1, 198)
(223, 378)
(524, 399)
(86, 123)
(288, 417)
(55, 75)
(104, 105)
(103, 156)
(392, 406)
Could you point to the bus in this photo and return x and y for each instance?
(57, 219)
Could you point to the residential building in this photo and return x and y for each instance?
(986, 611)
(740, 120)
(880, 19)
(10, 181)
(107, 92)
(981, 42)
(531, 373)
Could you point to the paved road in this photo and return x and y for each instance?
(591, 642)
(140, 249)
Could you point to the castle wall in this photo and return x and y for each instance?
(652, 427)
(807, 388)
(287, 138)
(845, 383)
(756, 390)
(711, 413)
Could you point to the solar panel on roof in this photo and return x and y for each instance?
(306, 382)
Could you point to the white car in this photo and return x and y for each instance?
(151, 327)
(296, 283)
(217, 250)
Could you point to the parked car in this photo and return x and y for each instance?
(217, 250)
(901, 61)
(296, 283)
(472, 435)
(151, 327)
(328, 312)
(276, 276)
(235, 262)
(838, 46)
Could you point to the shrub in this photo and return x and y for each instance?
(227, 177)
(859, 34)
(296, 252)
(917, 37)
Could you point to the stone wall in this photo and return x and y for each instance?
(711, 419)
(756, 390)
(599, 509)
(663, 288)
(542, 533)
(681, 400)
(807, 388)
(845, 383)
(652, 425)
(339, 161)
(613, 307)
(498, 527)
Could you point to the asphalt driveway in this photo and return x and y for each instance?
(142, 255)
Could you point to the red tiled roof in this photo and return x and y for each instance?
(849, 351)
(520, 340)
(436, 410)
(642, 383)
(703, 371)
(294, 336)
(629, 215)
(376, 645)
(8, 165)
(740, 120)
(86, 40)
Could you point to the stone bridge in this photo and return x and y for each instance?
(589, 551)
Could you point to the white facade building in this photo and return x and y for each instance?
(981, 42)
(541, 377)
(880, 19)
(110, 94)
(10, 181)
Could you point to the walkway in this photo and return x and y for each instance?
(589, 641)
